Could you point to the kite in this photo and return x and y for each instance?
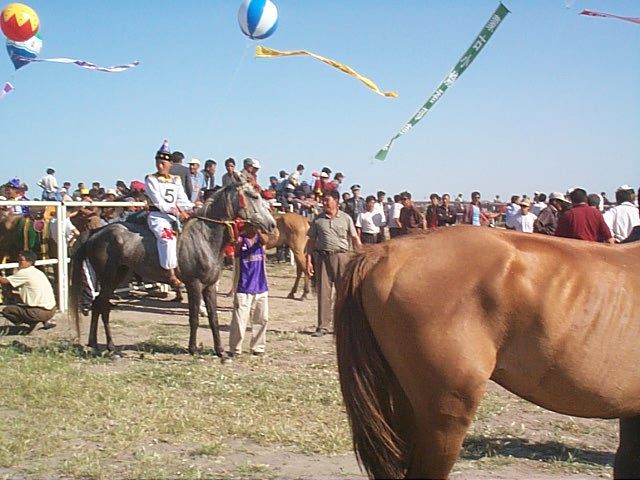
(264, 52)
(28, 49)
(258, 19)
(6, 90)
(589, 13)
(83, 64)
(471, 53)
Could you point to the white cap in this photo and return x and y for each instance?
(194, 161)
(324, 174)
(624, 187)
(111, 191)
(255, 163)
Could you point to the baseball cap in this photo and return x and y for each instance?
(355, 187)
(194, 161)
(255, 163)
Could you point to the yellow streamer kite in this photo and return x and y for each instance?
(264, 52)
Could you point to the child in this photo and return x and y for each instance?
(251, 298)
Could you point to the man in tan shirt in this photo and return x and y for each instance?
(327, 253)
(35, 292)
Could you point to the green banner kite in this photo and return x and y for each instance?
(477, 45)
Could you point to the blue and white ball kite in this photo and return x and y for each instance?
(258, 19)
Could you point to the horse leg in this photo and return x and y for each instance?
(106, 312)
(93, 329)
(301, 269)
(211, 301)
(627, 461)
(292, 293)
(194, 294)
(441, 424)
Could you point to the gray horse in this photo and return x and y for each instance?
(118, 250)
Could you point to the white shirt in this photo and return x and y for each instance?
(379, 213)
(394, 215)
(537, 207)
(166, 193)
(510, 213)
(48, 183)
(34, 287)
(524, 223)
(369, 222)
(621, 219)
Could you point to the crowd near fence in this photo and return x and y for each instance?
(62, 249)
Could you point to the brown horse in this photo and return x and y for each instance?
(292, 232)
(423, 323)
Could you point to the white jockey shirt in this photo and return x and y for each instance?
(166, 193)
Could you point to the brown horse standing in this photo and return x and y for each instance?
(423, 323)
(292, 232)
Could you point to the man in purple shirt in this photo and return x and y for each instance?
(583, 222)
(251, 300)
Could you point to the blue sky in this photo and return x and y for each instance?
(553, 100)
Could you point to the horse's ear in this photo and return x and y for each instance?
(237, 177)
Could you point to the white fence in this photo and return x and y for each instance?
(62, 260)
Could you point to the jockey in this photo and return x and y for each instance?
(168, 203)
(16, 191)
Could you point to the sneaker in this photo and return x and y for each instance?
(319, 332)
(48, 325)
(257, 354)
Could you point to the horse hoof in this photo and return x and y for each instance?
(291, 296)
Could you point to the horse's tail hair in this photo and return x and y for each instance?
(371, 392)
(78, 258)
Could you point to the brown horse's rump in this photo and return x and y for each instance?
(554, 321)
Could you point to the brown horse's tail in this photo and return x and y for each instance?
(373, 398)
(78, 257)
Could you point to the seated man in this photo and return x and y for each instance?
(168, 204)
(35, 292)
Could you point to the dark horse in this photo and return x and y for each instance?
(118, 250)
(423, 323)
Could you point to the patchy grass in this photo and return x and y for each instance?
(82, 420)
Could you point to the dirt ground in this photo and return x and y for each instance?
(513, 439)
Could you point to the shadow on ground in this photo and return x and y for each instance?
(476, 447)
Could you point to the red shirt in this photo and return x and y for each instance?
(584, 223)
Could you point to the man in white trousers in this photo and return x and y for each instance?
(251, 300)
(168, 204)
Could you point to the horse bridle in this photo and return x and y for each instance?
(232, 223)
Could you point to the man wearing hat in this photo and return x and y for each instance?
(168, 204)
(356, 204)
(624, 216)
(182, 171)
(583, 222)
(547, 221)
(523, 220)
(196, 178)
(250, 172)
(15, 191)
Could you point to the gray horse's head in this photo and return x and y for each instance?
(253, 208)
(240, 200)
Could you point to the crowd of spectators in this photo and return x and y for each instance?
(376, 216)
